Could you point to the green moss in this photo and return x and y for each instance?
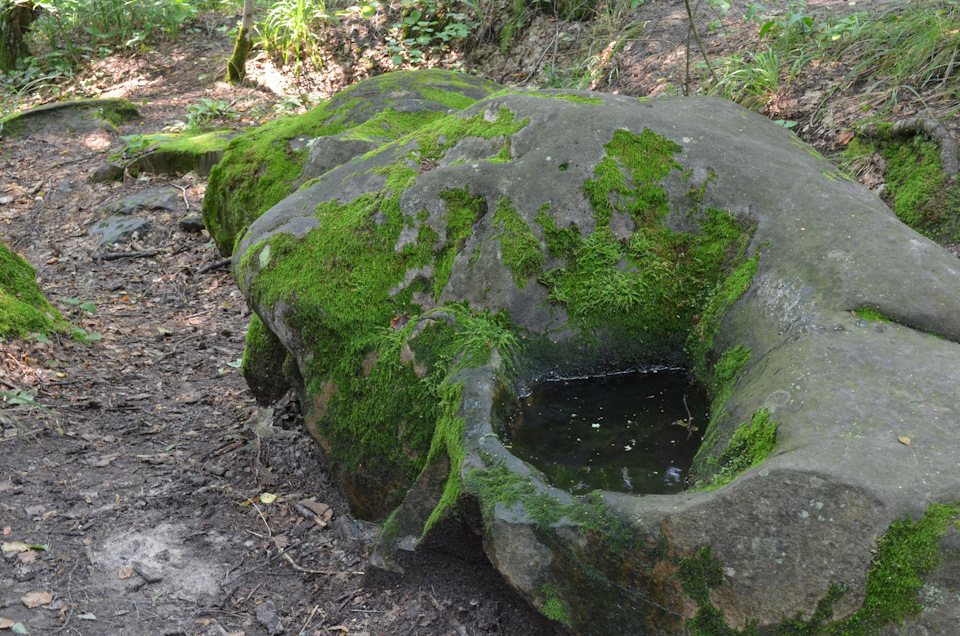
(647, 159)
(192, 143)
(23, 308)
(260, 167)
(561, 242)
(520, 250)
(871, 314)
(905, 554)
(568, 97)
(446, 97)
(497, 484)
(435, 139)
(655, 283)
(917, 189)
(697, 574)
(720, 382)
(553, 606)
(462, 211)
(263, 362)
(916, 183)
(749, 446)
(448, 440)
(391, 124)
(700, 573)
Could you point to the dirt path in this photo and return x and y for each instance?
(146, 491)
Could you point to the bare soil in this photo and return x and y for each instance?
(147, 490)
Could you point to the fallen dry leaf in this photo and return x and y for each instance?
(27, 557)
(845, 137)
(36, 599)
(106, 459)
(903, 439)
(315, 507)
(126, 573)
(15, 546)
(6, 623)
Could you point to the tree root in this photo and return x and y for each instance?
(930, 128)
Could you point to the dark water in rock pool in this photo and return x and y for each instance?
(628, 432)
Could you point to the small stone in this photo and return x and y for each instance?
(164, 198)
(106, 173)
(114, 228)
(191, 223)
(268, 617)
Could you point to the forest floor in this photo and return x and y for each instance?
(146, 490)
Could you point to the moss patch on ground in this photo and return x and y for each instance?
(919, 192)
(23, 308)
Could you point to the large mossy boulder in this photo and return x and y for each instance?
(409, 292)
(69, 117)
(266, 164)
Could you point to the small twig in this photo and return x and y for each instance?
(183, 191)
(69, 598)
(689, 415)
(222, 263)
(262, 565)
(703, 50)
(116, 256)
(309, 618)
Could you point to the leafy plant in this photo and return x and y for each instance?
(206, 110)
(425, 27)
(288, 29)
(20, 397)
(88, 305)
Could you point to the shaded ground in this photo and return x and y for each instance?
(146, 486)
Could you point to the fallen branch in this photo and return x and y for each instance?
(928, 127)
(116, 256)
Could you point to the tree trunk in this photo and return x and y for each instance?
(15, 18)
(237, 66)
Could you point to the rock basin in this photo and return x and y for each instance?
(404, 293)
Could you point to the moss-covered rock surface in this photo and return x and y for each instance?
(81, 116)
(263, 166)
(23, 308)
(176, 153)
(406, 292)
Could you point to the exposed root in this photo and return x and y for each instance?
(930, 128)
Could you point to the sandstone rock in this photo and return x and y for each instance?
(560, 232)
